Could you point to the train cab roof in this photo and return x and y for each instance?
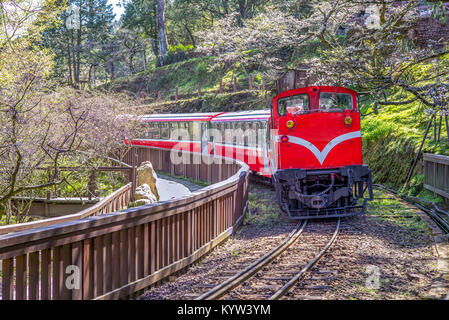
(253, 115)
(178, 117)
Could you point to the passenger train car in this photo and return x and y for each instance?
(308, 143)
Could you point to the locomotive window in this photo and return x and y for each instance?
(331, 101)
(293, 104)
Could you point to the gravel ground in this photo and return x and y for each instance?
(385, 254)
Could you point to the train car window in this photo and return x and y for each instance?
(227, 133)
(144, 130)
(267, 132)
(293, 104)
(190, 130)
(196, 131)
(256, 128)
(155, 130)
(184, 131)
(212, 128)
(174, 132)
(235, 127)
(246, 135)
(252, 131)
(165, 132)
(221, 128)
(332, 101)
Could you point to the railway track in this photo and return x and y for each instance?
(274, 274)
(439, 216)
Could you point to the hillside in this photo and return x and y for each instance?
(391, 139)
(186, 75)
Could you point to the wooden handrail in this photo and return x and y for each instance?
(436, 174)
(119, 253)
(93, 210)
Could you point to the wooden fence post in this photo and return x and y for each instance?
(133, 173)
(158, 96)
(250, 82)
(176, 94)
(199, 89)
(435, 129)
(49, 180)
(447, 127)
(409, 176)
(91, 186)
(263, 83)
(220, 90)
(235, 84)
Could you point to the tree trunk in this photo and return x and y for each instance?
(192, 39)
(78, 53)
(90, 77)
(69, 60)
(163, 46)
(242, 9)
(111, 69)
(144, 57)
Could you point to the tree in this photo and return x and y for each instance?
(162, 37)
(84, 28)
(42, 127)
(373, 58)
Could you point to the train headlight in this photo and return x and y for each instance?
(284, 139)
(290, 124)
(348, 121)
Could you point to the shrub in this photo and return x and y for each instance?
(179, 53)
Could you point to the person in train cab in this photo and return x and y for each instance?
(295, 106)
(329, 101)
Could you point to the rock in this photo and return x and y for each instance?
(142, 202)
(147, 175)
(144, 192)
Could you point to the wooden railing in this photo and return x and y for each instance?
(114, 202)
(436, 174)
(114, 255)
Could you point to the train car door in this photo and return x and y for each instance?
(265, 146)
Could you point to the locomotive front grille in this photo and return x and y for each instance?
(309, 194)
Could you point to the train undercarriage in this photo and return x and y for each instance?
(327, 193)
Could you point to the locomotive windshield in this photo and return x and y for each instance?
(332, 101)
(293, 104)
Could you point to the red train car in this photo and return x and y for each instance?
(308, 144)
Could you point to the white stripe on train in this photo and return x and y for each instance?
(322, 155)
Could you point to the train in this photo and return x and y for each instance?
(308, 144)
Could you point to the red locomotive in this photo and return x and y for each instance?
(309, 144)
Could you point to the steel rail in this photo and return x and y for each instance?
(282, 291)
(233, 282)
(442, 223)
